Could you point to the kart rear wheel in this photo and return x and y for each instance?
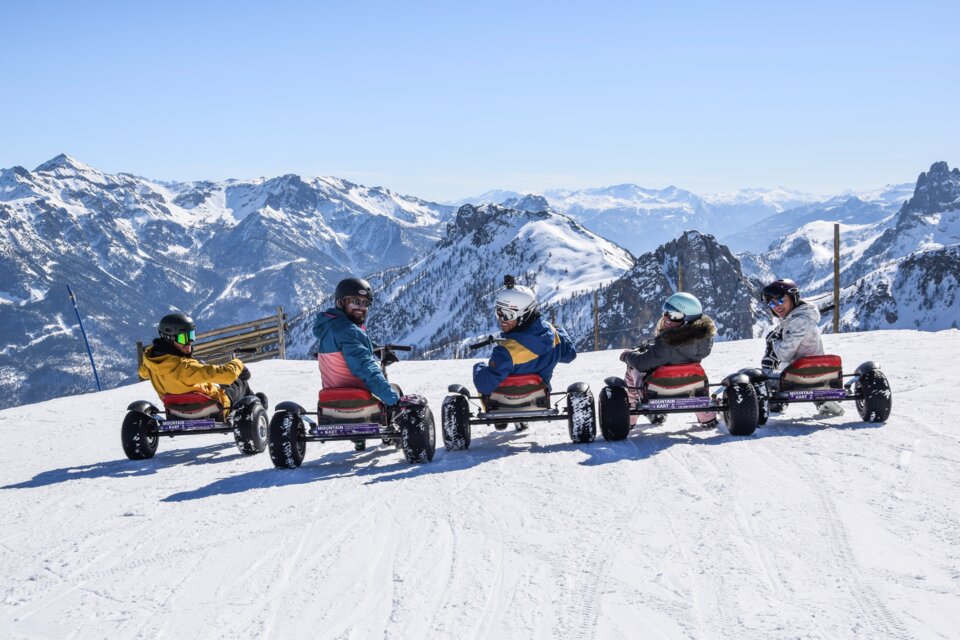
(139, 436)
(874, 398)
(287, 440)
(581, 417)
(455, 421)
(614, 413)
(741, 412)
(418, 437)
(250, 429)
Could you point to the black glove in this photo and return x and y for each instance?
(412, 400)
(768, 362)
(776, 334)
(245, 374)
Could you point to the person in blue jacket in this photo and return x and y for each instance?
(345, 352)
(530, 345)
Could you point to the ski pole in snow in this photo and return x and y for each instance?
(73, 299)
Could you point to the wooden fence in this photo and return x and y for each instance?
(254, 340)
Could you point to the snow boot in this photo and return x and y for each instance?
(657, 418)
(522, 426)
(359, 445)
(829, 409)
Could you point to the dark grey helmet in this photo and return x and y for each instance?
(780, 289)
(353, 287)
(173, 324)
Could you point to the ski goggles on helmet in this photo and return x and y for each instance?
(186, 337)
(357, 302)
(674, 315)
(774, 302)
(506, 314)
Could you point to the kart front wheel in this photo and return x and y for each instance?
(581, 417)
(139, 436)
(741, 413)
(455, 422)
(287, 440)
(874, 398)
(250, 429)
(614, 413)
(418, 437)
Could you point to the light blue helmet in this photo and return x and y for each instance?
(683, 306)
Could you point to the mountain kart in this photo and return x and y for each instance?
(192, 414)
(349, 413)
(821, 379)
(682, 388)
(521, 399)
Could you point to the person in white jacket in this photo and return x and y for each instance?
(797, 334)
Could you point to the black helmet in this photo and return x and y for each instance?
(780, 289)
(173, 325)
(353, 287)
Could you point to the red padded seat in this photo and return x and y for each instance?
(521, 384)
(192, 405)
(677, 380)
(814, 371)
(345, 398)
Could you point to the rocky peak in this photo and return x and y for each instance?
(937, 190)
(530, 202)
(63, 163)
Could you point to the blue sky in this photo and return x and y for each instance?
(443, 101)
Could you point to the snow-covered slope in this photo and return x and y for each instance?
(814, 528)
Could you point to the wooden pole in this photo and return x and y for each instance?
(281, 343)
(836, 278)
(679, 275)
(596, 323)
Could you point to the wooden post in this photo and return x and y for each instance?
(679, 275)
(280, 339)
(139, 354)
(596, 322)
(836, 278)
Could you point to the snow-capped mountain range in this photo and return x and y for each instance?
(642, 219)
(133, 249)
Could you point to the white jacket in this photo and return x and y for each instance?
(797, 335)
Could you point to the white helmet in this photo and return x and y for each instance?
(515, 302)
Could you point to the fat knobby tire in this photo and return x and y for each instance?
(614, 413)
(287, 445)
(139, 436)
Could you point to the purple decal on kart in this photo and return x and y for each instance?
(817, 394)
(360, 429)
(683, 402)
(187, 425)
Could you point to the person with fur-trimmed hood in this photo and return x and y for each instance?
(684, 335)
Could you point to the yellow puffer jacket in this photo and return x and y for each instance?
(175, 373)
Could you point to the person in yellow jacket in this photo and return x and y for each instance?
(170, 367)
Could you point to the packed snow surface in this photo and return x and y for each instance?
(813, 528)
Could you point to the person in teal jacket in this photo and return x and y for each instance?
(530, 345)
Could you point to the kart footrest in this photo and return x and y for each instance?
(507, 416)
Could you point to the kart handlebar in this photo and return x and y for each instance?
(392, 347)
(490, 339)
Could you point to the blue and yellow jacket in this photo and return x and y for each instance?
(536, 347)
